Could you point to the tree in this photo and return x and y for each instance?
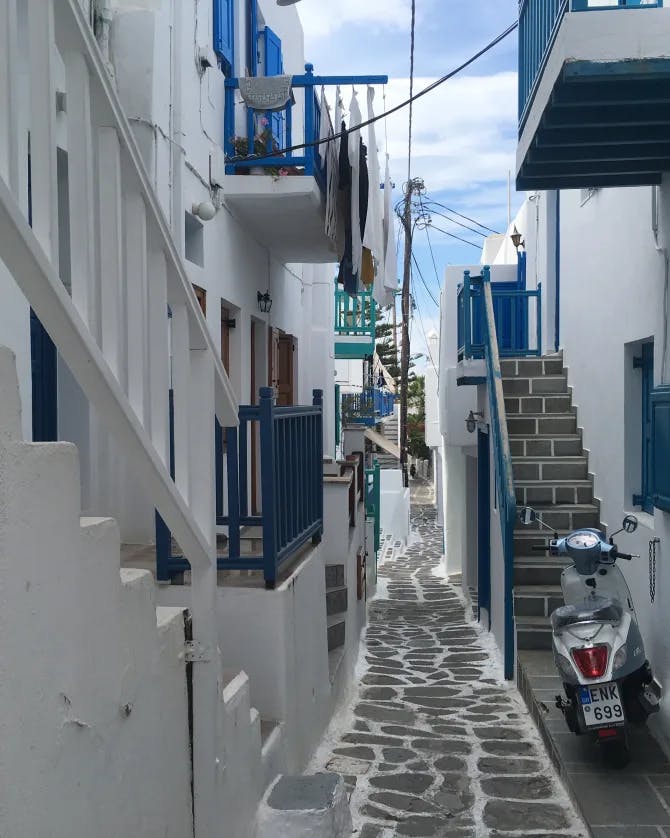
(416, 419)
(386, 350)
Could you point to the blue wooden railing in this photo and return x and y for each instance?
(511, 305)
(373, 500)
(282, 134)
(291, 487)
(539, 22)
(503, 467)
(367, 407)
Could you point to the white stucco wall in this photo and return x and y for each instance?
(612, 294)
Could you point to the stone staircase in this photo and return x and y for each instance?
(337, 604)
(389, 429)
(551, 475)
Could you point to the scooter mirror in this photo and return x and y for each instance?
(527, 515)
(630, 523)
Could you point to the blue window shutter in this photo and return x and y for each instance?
(224, 34)
(274, 63)
(252, 37)
(274, 66)
(645, 364)
(660, 474)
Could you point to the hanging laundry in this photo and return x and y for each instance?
(330, 161)
(390, 254)
(354, 143)
(373, 238)
(367, 272)
(346, 275)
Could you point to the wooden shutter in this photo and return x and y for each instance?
(224, 34)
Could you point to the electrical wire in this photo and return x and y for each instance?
(454, 236)
(425, 284)
(466, 217)
(315, 143)
(430, 211)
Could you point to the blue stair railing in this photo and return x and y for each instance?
(512, 311)
(539, 23)
(291, 481)
(503, 468)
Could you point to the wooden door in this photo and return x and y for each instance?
(273, 358)
(226, 325)
(285, 383)
(201, 294)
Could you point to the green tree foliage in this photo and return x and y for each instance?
(416, 418)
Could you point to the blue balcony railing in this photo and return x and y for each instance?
(513, 316)
(290, 476)
(539, 22)
(367, 407)
(266, 133)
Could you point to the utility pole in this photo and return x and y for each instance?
(405, 348)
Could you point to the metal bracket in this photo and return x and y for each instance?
(196, 652)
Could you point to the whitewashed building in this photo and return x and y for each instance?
(183, 588)
(584, 400)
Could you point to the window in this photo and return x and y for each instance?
(644, 363)
(224, 34)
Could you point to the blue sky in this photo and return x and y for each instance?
(464, 132)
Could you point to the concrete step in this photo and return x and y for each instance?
(549, 365)
(334, 576)
(532, 492)
(536, 600)
(550, 468)
(566, 517)
(337, 601)
(526, 540)
(565, 445)
(549, 424)
(533, 633)
(542, 385)
(336, 632)
(538, 570)
(538, 404)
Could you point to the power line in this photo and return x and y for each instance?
(425, 285)
(454, 236)
(466, 217)
(430, 211)
(411, 100)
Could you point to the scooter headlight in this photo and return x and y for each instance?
(620, 658)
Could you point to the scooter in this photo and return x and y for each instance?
(597, 646)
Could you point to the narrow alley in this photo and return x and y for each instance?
(437, 743)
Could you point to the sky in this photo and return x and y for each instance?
(464, 132)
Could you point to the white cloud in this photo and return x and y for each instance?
(320, 19)
(464, 131)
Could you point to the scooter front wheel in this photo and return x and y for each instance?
(616, 754)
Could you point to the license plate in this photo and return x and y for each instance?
(601, 705)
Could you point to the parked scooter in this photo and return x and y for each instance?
(598, 649)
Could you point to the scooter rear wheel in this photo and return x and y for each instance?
(616, 754)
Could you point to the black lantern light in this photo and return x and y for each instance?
(264, 302)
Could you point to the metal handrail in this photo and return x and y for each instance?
(503, 469)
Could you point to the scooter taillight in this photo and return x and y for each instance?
(592, 662)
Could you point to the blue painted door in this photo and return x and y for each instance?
(483, 526)
(43, 361)
(274, 66)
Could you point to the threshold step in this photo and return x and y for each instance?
(553, 492)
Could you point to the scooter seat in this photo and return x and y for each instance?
(608, 611)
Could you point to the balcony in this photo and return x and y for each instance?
(287, 444)
(367, 407)
(281, 197)
(355, 321)
(594, 93)
(516, 318)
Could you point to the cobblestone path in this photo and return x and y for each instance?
(439, 745)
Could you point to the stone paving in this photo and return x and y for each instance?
(438, 744)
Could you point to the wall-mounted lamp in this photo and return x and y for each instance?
(517, 239)
(471, 421)
(205, 211)
(264, 302)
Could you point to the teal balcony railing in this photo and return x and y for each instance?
(539, 22)
(513, 317)
(355, 323)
